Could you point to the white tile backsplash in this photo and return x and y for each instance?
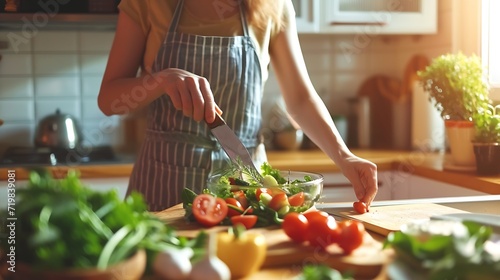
(95, 41)
(56, 64)
(90, 110)
(93, 64)
(91, 86)
(48, 106)
(16, 110)
(17, 41)
(56, 41)
(57, 86)
(15, 64)
(15, 87)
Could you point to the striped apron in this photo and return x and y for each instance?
(178, 152)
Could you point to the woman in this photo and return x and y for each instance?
(205, 57)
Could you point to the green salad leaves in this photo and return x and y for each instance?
(64, 224)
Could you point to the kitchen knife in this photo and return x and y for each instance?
(230, 142)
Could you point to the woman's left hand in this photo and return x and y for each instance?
(363, 176)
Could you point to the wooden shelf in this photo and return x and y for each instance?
(60, 21)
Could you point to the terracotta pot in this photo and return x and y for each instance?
(460, 135)
(487, 158)
(131, 269)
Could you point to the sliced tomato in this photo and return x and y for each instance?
(233, 203)
(297, 199)
(295, 225)
(248, 221)
(209, 210)
(360, 207)
(279, 200)
(351, 235)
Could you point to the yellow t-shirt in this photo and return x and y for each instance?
(154, 17)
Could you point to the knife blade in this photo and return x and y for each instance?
(231, 144)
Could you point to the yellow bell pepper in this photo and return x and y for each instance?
(243, 252)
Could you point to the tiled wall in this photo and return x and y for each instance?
(63, 69)
(53, 70)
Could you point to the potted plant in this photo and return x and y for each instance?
(457, 86)
(487, 140)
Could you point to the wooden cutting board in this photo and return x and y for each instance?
(390, 218)
(365, 262)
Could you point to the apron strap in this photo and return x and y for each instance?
(244, 19)
(176, 17)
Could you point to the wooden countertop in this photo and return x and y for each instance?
(428, 165)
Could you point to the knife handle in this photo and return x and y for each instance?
(217, 122)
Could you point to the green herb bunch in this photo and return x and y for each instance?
(487, 124)
(457, 85)
(463, 254)
(64, 224)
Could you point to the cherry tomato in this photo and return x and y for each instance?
(248, 221)
(315, 214)
(322, 231)
(240, 196)
(295, 225)
(279, 200)
(351, 235)
(259, 191)
(209, 210)
(360, 207)
(297, 199)
(234, 202)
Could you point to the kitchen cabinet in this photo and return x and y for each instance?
(336, 188)
(378, 17)
(408, 186)
(307, 15)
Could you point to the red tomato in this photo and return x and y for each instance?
(240, 196)
(234, 202)
(248, 221)
(295, 226)
(259, 191)
(297, 199)
(209, 210)
(279, 200)
(315, 214)
(351, 235)
(360, 207)
(322, 231)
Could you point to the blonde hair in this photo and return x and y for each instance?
(260, 12)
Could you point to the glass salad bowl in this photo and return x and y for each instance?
(272, 192)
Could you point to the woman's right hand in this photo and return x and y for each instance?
(189, 93)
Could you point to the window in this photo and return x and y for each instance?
(490, 44)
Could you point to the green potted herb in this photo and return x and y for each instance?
(487, 140)
(457, 87)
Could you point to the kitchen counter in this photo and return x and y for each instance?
(428, 165)
(489, 204)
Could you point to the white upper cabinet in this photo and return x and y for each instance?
(307, 15)
(378, 16)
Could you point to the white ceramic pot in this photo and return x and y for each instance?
(460, 135)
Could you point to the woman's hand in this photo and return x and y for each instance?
(363, 176)
(189, 93)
